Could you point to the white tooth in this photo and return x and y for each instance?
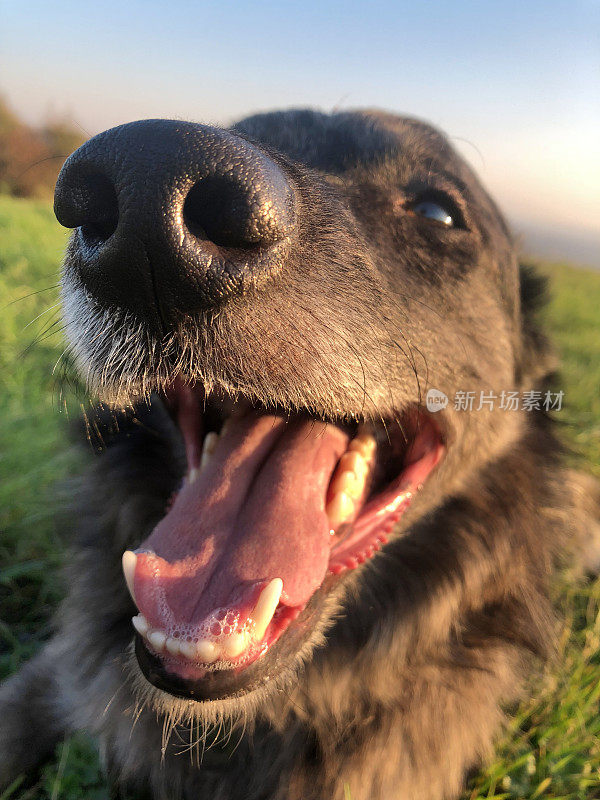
(355, 462)
(206, 651)
(263, 611)
(348, 482)
(188, 650)
(140, 623)
(363, 444)
(173, 646)
(157, 639)
(339, 509)
(208, 448)
(129, 561)
(234, 644)
(193, 474)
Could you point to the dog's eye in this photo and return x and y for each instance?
(435, 211)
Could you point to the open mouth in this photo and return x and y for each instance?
(273, 507)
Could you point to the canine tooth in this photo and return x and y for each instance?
(188, 650)
(157, 639)
(129, 560)
(208, 448)
(349, 483)
(340, 509)
(193, 474)
(206, 651)
(263, 611)
(140, 623)
(173, 646)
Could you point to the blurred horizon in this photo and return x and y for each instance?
(515, 86)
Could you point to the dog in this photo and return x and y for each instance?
(312, 554)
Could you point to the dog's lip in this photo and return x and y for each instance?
(349, 548)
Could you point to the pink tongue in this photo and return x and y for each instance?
(256, 512)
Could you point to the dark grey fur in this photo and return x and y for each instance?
(420, 647)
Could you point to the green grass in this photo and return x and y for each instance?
(32, 434)
(574, 318)
(552, 746)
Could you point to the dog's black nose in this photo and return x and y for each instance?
(174, 216)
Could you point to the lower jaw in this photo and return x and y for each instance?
(199, 686)
(279, 658)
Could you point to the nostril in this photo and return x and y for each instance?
(103, 224)
(219, 210)
(87, 200)
(231, 213)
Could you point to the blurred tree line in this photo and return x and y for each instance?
(31, 158)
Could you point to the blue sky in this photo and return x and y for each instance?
(516, 84)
